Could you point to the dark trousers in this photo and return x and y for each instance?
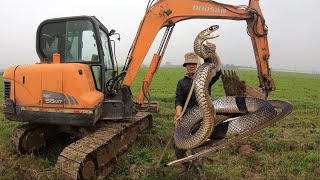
(182, 153)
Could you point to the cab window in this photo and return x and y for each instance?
(74, 40)
(109, 66)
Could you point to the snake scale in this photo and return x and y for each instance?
(248, 114)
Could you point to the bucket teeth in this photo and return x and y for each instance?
(233, 86)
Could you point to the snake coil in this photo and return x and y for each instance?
(253, 111)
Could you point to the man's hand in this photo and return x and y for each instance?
(212, 46)
(177, 118)
(178, 115)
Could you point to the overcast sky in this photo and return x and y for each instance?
(293, 31)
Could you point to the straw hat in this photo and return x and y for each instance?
(190, 58)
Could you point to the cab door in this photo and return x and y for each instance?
(109, 67)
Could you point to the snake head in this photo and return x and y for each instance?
(201, 49)
(207, 32)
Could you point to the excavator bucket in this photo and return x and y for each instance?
(152, 107)
(233, 86)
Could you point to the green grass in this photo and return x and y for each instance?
(289, 149)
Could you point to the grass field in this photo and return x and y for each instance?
(290, 149)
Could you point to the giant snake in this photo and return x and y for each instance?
(238, 116)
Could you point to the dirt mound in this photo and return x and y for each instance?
(245, 149)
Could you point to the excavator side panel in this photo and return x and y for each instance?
(53, 94)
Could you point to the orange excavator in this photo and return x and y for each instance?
(76, 88)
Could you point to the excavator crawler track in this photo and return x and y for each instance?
(95, 155)
(28, 138)
(33, 137)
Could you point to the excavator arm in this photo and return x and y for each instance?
(166, 13)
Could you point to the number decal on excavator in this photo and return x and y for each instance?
(50, 97)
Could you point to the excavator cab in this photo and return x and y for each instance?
(85, 40)
(82, 87)
(78, 40)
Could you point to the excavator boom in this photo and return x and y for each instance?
(166, 13)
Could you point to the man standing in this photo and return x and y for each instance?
(182, 92)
